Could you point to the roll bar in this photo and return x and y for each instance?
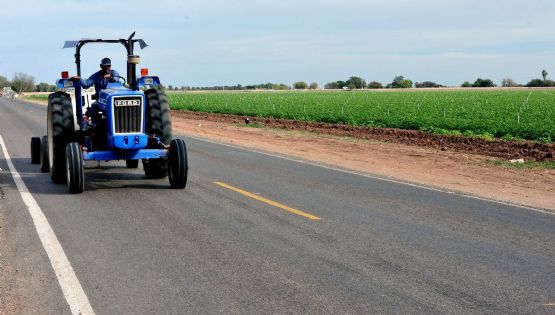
(128, 43)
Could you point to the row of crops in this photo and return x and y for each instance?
(507, 114)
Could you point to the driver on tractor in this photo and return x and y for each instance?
(101, 78)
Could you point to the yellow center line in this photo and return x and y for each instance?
(268, 201)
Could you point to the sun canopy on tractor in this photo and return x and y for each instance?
(128, 43)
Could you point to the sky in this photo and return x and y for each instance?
(208, 43)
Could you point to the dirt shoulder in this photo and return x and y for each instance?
(440, 167)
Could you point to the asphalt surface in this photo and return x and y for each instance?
(379, 247)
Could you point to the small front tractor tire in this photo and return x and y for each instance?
(61, 131)
(178, 164)
(44, 164)
(35, 150)
(75, 170)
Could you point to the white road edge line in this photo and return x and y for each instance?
(372, 176)
(71, 287)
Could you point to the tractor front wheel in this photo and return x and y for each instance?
(35, 150)
(75, 172)
(178, 164)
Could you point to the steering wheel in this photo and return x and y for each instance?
(117, 78)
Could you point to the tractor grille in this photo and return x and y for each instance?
(128, 114)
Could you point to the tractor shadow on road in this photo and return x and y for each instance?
(117, 177)
(103, 177)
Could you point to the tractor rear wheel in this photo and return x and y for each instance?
(44, 166)
(35, 150)
(158, 115)
(178, 164)
(61, 131)
(75, 173)
(158, 124)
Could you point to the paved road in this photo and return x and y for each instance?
(379, 247)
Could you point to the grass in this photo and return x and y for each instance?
(38, 97)
(527, 165)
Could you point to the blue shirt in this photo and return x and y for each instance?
(98, 80)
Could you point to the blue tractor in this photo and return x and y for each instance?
(129, 120)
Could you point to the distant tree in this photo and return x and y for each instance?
(396, 81)
(331, 86)
(42, 87)
(280, 87)
(336, 85)
(508, 82)
(483, 83)
(4, 82)
(466, 84)
(405, 84)
(544, 75)
(375, 85)
(540, 83)
(535, 83)
(313, 86)
(22, 82)
(301, 85)
(399, 82)
(426, 84)
(356, 82)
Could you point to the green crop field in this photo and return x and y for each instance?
(507, 114)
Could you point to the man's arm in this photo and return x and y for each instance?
(86, 83)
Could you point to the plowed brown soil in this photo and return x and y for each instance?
(496, 148)
(453, 163)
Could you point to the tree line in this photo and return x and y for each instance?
(355, 82)
(22, 82)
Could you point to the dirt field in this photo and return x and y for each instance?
(459, 165)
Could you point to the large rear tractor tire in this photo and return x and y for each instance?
(35, 150)
(158, 123)
(178, 164)
(61, 131)
(44, 164)
(75, 171)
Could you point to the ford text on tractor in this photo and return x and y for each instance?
(129, 120)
